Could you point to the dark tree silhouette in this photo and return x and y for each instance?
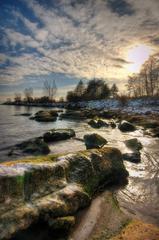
(80, 89)
(114, 90)
(96, 89)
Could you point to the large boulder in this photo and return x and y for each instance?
(125, 126)
(45, 116)
(58, 134)
(134, 144)
(98, 123)
(54, 187)
(94, 141)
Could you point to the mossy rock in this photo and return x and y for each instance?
(56, 187)
(94, 141)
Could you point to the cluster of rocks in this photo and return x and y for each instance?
(39, 146)
(97, 141)
(127, 122)
(147, 121)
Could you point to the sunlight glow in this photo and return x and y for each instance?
(137, 56)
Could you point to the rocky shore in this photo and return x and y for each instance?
(49, 190)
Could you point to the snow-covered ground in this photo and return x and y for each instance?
(134, 105)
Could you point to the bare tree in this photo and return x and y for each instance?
(28, 92)
(50, 88)
(146, 83)
(17, 97)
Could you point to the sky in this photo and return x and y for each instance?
(69, 40)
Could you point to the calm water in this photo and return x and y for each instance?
(139, 198)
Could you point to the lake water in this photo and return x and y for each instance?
(139, 198)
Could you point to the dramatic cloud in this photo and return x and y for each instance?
(73, 39)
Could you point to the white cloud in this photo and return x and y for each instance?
(17, 37)
(83, 39)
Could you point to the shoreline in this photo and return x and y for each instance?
(140, 105)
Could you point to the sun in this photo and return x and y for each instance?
(137, 55)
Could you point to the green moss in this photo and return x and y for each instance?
(34, 160)
(20, 179)
(114, 202)
(90, 186)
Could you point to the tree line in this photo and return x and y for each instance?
(96, 89)
(146, 82)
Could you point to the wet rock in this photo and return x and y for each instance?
(134, 157)
(125, 126)
(54, 188)
(45, 116)
(133, 144)
(98, 123)
(34, 146)
(94, 141)
(58, 134)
